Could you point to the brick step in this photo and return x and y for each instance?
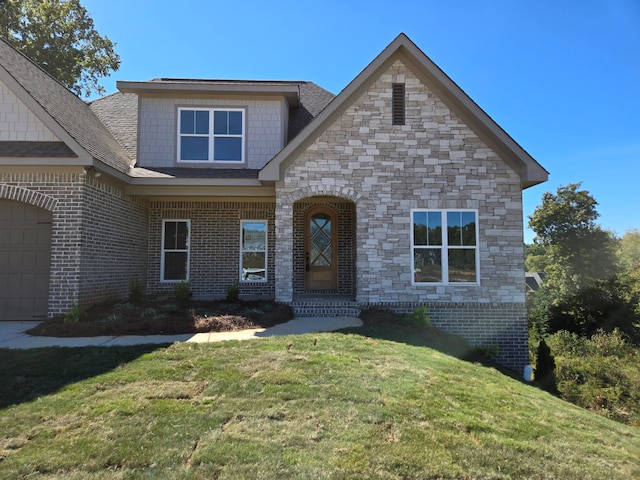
(325, 308)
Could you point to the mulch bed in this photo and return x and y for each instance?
(156, 317)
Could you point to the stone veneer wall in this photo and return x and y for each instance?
(433, 161)
(85, 268)
(214, 262)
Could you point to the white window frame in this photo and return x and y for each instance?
(265, 251)
(163, 250)
(211, 136)
(445, 247)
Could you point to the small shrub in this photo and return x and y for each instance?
(419, 318)
(182, 291)
(488, 351)
(113, 318)
(73, 315)
(233, 292)
(122, 307)
(150, 312)
(545, 368)
(136, 290)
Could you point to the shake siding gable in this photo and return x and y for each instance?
(18, 123)
(157, 143)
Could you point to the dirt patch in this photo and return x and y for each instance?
(164, 317)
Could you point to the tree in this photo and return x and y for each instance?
(60, 37)
(629, 256)
(582, 291)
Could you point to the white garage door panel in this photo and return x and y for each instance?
(25, 256)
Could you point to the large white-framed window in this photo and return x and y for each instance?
(211, 135)
(444, 247)
(174, 265)
(253, 251)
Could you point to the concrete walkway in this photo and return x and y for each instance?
(12, 334)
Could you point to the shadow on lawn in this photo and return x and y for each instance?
(28, 374)
(386, 325)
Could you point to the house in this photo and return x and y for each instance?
(398, 192)
(534, 281)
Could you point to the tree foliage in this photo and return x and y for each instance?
(629, 257)
(583, 290)
(59, 36)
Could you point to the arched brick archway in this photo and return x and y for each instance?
(31, 197)
(291, 241)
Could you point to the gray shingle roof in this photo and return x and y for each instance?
(313, 99)
(35, 149)
(119, 112)
(71, 113)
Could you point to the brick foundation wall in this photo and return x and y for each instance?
(482, 324)
(214, 247)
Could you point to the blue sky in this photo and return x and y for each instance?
(561, 77)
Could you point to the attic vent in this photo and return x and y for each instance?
(397, 104)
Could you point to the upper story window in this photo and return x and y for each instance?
(444, 246)
(211, 135)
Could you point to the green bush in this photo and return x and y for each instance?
(182, 291)
(418, 318)
(136, 290)
(601, 373)
(545, 373)
(73, 315)
(233, 293)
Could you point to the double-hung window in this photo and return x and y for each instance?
(211, 135)
(444, 246)
(175, 251)
(253, 251)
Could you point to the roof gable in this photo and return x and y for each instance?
(68, 117)
(402, 48)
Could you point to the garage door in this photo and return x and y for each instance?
(25, 255)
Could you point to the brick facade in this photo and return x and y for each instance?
(214, 245)
(434, 161)
(98, 239)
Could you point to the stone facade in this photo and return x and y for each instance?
(99, 238)
(214, 245)
(433, 161)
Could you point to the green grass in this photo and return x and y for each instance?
(335, 405)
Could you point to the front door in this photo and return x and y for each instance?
(321, 249)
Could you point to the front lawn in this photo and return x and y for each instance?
(320, 406)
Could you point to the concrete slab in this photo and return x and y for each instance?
(129, 340)
(11, 331)
(28, 341)
(12, 334)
